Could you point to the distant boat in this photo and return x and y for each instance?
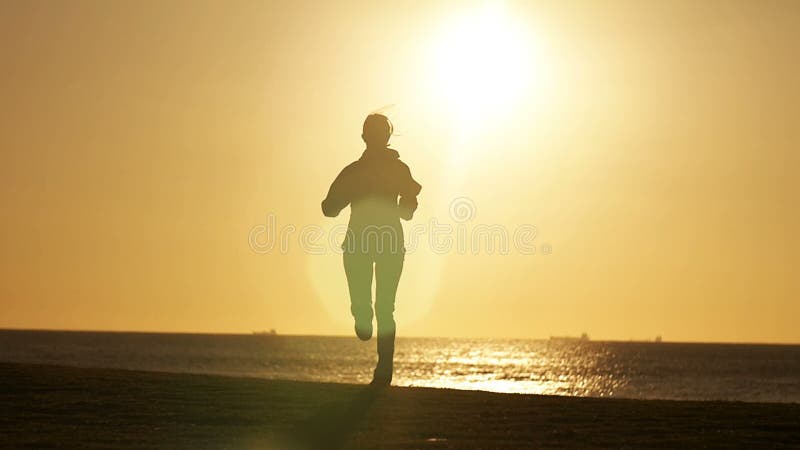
(271, 332)
(583, 338)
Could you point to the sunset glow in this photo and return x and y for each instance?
(652, 148)
(484, 64)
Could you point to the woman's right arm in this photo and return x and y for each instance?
(408, 195)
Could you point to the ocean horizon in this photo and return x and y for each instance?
(560, 366)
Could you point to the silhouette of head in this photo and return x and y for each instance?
(377, 130)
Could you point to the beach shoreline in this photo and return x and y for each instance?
(57, 406)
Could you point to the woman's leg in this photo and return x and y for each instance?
(387, 276)
(358, 268)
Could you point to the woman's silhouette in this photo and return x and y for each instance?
(380, 191)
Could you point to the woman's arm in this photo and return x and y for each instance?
(409, 191)
(338, 195)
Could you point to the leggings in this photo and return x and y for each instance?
(387, 267)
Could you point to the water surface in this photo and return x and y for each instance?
(755, 373)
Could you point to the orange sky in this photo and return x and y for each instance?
(654, 147)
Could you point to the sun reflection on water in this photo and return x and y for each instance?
(543, 367)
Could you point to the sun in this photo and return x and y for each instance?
(483, 64)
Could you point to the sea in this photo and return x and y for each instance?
(635, 370)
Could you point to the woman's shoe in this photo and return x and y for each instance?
(382, 376)
(364, 329)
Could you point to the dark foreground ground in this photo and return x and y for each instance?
(45, 406)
